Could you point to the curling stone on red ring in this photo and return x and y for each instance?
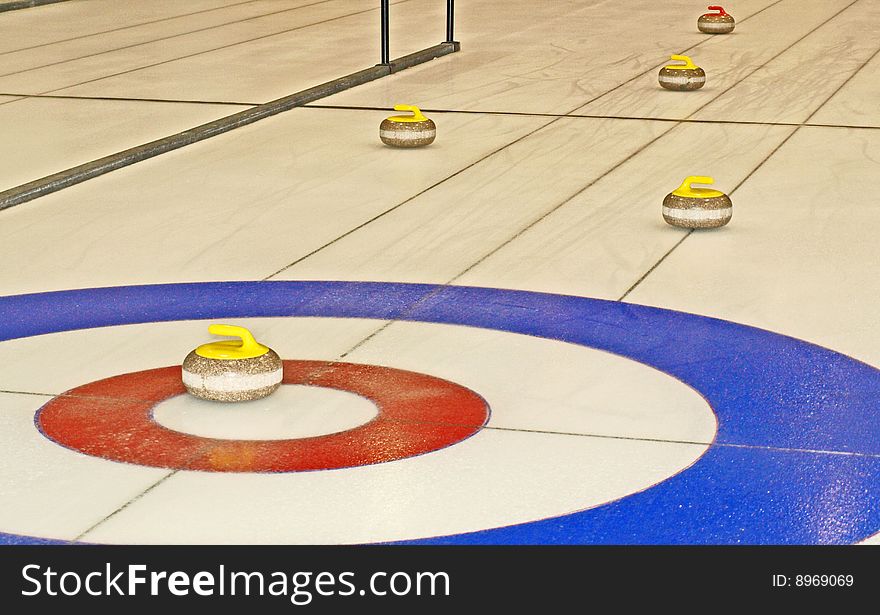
(232, 370)
(407, 130)
(687, 76)
(716, 23)
(689, 207)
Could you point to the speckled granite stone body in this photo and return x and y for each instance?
(232, 379)
(682, 78)
(407, 134)
(716, 24)
(692, 212)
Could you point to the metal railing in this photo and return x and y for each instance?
(95, 168)
(385, 17)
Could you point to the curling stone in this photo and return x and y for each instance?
(687, 76)
(232, 370)
(688, 207)
(407, 130)
(716, 23)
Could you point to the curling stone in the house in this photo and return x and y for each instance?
(716, 23)
(232, 370)
(688, 207)
(407, 130)
(687, 76)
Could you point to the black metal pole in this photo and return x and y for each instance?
(386, 57)
(450, 21)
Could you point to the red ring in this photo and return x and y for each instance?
(418, 414)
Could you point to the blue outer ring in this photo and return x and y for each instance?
(797, 455)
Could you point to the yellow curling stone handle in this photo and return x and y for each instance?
(696, 193)
(415, 117)
(246, 347)
(688, 63)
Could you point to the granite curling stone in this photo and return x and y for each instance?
(232, 370)
(716, 23)
(687, 76)
(688, 207)
(407, 130)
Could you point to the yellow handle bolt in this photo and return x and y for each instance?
(688, 63)
(415, 117)
(247, 348)
(686, 190)
(247, 338)
(696, 179)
